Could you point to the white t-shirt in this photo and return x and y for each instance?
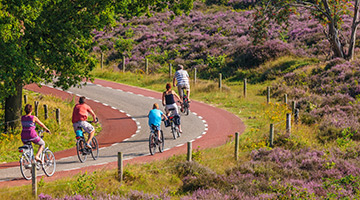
(182, 77)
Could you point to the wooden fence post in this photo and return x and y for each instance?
(245, 87)
(33, 178)
(189, 151)
(146, 66)
(36, 108)
(123, 63)
(236, 146)
(195, 74)
(296, 116)
(46, 111)
(268, 95)
(58, 115)
(170, 70)
(293, 107)
(271, 138)
(120, 166)
(25, 99)
(288, 123)
(220, 81)
(102, 60)
(285, 99)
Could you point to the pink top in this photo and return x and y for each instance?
(28, 128)
(80, 112)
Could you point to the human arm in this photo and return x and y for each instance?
(174, 81)
(177, 96)
(93, 115)
(163, 99)
(41, 124)
(164, 116)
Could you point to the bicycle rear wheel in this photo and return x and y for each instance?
(80, 149)
(94, 148)
(178, 132)
(186, 109)
(152, 143)
(49, 164)
(161, 145)
(173, 129)
(25, 167)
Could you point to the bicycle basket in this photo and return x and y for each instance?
(167, 123)
(177, 120)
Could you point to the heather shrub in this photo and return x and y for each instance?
(196, 176)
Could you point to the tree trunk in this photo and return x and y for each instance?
(354, 27)
(335, 41)
(13, 109)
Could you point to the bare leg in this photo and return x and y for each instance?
(37, 156)
(158, 135)
(91, 135)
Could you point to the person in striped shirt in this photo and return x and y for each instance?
(183, 81)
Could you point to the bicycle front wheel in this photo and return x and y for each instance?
(49, 164)
(80, 149)
(152, 143)
(25, 166)
(94, 148)
(161, 145)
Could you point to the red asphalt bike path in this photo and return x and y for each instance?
(221, 124)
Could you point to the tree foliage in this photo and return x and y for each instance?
(50, 40)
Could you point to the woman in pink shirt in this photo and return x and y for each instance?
(28, 132)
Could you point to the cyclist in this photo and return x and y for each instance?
(28, 132)
(168, 101)
(79, 117)
(155, 119)
(183, 81)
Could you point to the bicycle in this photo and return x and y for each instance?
(154, 141)
(82, 150)
(27, 159)
(174, 128)
(185, 104)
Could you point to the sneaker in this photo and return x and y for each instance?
(88, 145)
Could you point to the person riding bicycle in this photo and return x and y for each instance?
(155, 119)
(183, 81)
(79, 117)
(28, 133)
(168, 101)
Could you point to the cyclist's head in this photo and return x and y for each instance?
(156, 106)
(82, 100)
(180, 67)
(168, 86)
(28, 108)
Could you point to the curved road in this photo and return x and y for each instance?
(122, 111)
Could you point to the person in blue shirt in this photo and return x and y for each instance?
(155, 118)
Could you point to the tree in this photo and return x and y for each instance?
(328, 12)
(50, 41)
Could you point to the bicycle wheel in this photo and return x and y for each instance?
(80, 149)
(161, 145)
(186, 109)
(178, 132)
(49, 164)
(94, 148)
(25, 167)
(152, 143)
(173, 130)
